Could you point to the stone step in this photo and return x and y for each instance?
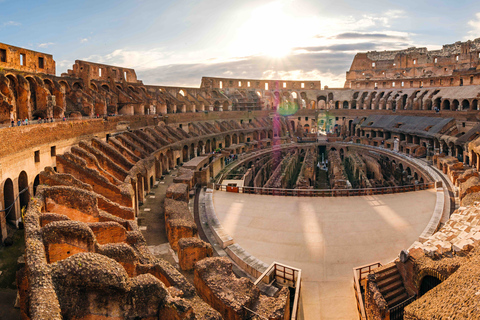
(397, 300)
(394, 293)
(387, 281)
(386, 273)
(391, 287)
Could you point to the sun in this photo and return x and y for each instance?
(277, 51)
(270, 31)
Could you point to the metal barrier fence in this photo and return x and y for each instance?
(324, 192)
(287, 276)
(359, 276)
(396, 312)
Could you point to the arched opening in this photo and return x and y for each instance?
(185, 153)
(455, 105)
(214, 144)
(170, 160)
(77, 86)
(404, 102)
(345, 105)
(465, 105)
(192, 151)
(234, 139)
(427, 284)
(33, 93)
(446, 104)
(208, 147)
(475, 104)
(36, 182)
(227, 141)
(23, 186)
(200, 148)
(9, 200)
(158, 170)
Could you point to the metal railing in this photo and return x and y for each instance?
(325, 192)
(359, 276)
(396, 312)
(285, 275)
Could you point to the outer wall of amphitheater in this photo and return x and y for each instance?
(113, 138)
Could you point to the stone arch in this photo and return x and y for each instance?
(200, 147)
(77, 86)
(158, 170)
(227, 141)
(192, 150)
(474, 104)
(241, 137)
(9, 200)
(345, 105)
(214, 144)
(106, 87)
(23, 186)
(428, 272)
(93, 86)
(171, 162)
(330, 97)
(33, 95)
(185, 153)
(49, 85)
(208, 146)
(446, 104)
(455, 105)
(465, 105)
(234, 139)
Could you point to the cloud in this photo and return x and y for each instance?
(135, 59)
(11, 24)
(325, 66)
(376, 36)
(475, 27)
(45, 45)
(84, 40)
(362, 46)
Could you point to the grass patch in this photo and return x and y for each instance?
(8, 260)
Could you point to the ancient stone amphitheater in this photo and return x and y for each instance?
(100, 147)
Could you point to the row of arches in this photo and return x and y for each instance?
(16, 196)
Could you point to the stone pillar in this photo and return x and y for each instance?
(195, 150)
(203, 149)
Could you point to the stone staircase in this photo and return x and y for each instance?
(390, 284)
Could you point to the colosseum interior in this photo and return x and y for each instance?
(242, 198)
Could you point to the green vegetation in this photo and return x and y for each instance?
(8, 260)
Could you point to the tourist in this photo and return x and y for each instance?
(26, 121)
(13, 122)
(19, 123)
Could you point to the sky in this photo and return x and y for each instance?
(175, 43)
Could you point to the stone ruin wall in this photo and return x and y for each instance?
(307, 176)
(80, 225)
(453, 65)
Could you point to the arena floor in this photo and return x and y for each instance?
(326, 238)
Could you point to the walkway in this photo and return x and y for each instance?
(151, 220)
(326, 238)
